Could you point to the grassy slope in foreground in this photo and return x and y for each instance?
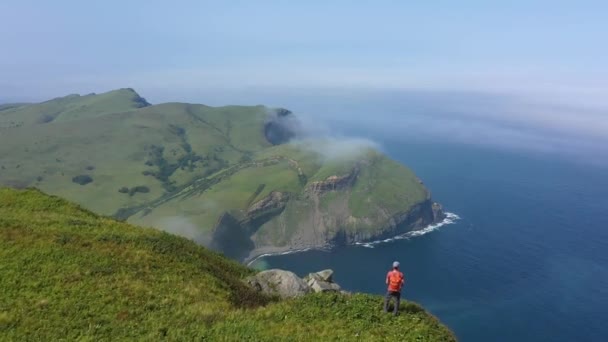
(70, 274)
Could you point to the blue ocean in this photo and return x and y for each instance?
(527, 260)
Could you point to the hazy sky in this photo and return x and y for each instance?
(523, 74)
(50, 48)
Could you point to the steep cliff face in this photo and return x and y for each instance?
(339, 209)
(231, 237)
(335, 224)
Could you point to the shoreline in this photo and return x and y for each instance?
(273, 251)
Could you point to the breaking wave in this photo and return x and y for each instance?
(450, 218)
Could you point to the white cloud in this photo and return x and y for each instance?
(332, 148)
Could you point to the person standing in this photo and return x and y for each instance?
(395, 281)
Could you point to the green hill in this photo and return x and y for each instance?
(69, 274)
(226, 177)
(71, 107)
(7, 106)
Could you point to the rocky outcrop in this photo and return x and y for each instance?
(322, 281)
(264, 210)
(325, 275)
(417, 217)
(285, 284)
(274, 201)
(333, 183)
(333, 225)
(438, 214)
(280, 283)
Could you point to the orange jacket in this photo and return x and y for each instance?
(395, 280)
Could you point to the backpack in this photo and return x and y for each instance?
(394, 280)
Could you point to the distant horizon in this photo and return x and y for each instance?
(522, 74)
(589, 99)
(548, 48)
(485, 119)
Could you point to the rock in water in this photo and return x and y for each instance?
(283, 283)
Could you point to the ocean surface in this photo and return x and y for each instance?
(527, 260)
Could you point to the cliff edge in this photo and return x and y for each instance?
(70, 274)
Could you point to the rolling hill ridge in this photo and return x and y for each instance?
(240, 179)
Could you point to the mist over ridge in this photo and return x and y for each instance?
(574, 127)
(551, 124)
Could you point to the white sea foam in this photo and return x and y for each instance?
(449, 219)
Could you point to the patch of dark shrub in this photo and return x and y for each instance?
(82, 179)
(246, 157)
(140, 188)
(303, 179)
(139, 101)
(64, 238)
(123, 214)
(177, 130)
(45, 118)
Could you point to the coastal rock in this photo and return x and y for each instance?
(326, 275)
(278, 282)
(438, 213)
(322, 281)
(286, 284)
(317, 285)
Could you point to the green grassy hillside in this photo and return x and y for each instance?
(7, 106)
(160, 147)
(382, 188)
(181, 167)
(71, 107)
(69, 274)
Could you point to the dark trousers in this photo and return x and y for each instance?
(389, 295)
